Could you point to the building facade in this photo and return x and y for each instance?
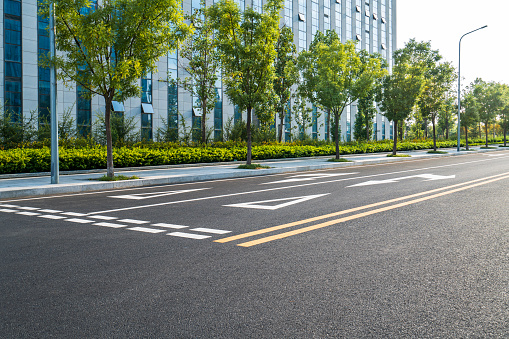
(24, 86)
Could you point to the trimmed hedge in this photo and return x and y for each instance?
(27, 160)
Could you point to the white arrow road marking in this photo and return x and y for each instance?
(260, 204)
(143, 196)
(308, 177)
(427, 177)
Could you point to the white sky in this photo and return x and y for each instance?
(484, 53)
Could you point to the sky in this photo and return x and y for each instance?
(484, 53)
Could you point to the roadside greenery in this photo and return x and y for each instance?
(81, 155)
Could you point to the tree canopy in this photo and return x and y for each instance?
(108, 47)
(246, 44)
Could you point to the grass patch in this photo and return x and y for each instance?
(116, 178)
(503, 146)
(437, 152)
(398, 155)
(467, 150)
(252, 166)
(339, 160)
(489, 147)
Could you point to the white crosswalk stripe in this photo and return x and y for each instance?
(51, 216)
(80, 221)
(103, 220)
(209, 230)
(109, 224)
(133, 221)
(50, 211)
(146, 230)
(189, 235)
(102, 217)
(162, 224)
(31, 214)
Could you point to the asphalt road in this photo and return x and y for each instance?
(414, 249)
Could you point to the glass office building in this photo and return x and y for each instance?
(24, 87)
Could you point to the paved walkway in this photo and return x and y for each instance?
(25, 185)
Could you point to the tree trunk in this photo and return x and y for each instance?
(466, 138)
(367, 129)
(426, 128)
(281, 125)
(109, 144)
(447, 129)
(336, 133)
(248, 125)
(486, 130)
(395, 143)
(505, 136)
(434, 136)
(203, 121)
(328, 124)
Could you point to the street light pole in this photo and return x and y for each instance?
(459, 83)
(53, 99)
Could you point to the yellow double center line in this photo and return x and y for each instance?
(443, 191)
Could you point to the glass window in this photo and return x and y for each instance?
(13, 52)
(12, 7)
(13, 69)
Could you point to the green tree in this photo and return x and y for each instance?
(490, 101)
(438, 80)
(366, 110)
(287, 74)
(334, 75)
(447, 115)
(470, 114)
(108, 48)
(202, 65)
(504, 112)
(246, 44)
(401, 89)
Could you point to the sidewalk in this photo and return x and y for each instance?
(38, 184)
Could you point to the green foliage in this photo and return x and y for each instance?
(26, 160)
(402, 88)
(203, 66)
(246, 42)
(335, 75)
(287, 74)
(14, 131)
(166, 133)
(107, 48)
(124, 131)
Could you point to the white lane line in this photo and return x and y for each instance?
(145, 229)
(142, 196)
(102, 217)
(132, 221)
(6, 210)
(28, 213)
(29, 208)
(189, 235)
(10, 206)
(209, 230)
(162, 224)
(74, 214)
(109, 224)
(50, 211)
(51, 216)
(80, 221)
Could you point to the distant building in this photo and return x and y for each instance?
(24, 87)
